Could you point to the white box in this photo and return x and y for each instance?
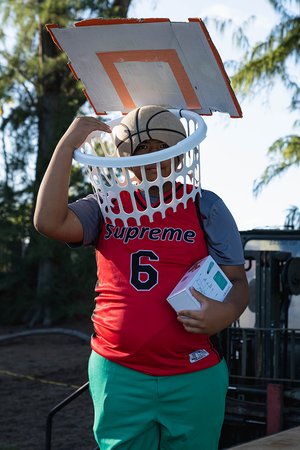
(206, 277)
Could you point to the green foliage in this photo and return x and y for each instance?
(239, 37)
(269, 61)
(264, 64)
(284, 153)
(40, 280)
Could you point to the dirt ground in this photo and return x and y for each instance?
(37, 373)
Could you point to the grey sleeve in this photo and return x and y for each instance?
(223, 237)
(88, 212)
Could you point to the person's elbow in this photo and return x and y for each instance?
(67, 228)
(47, 222)
(245, 292)
(40, 223)
(239, 294)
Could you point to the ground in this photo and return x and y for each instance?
(37, 373)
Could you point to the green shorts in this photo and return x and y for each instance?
(142, 412)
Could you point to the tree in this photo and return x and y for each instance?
(261, 67)
(39, 99)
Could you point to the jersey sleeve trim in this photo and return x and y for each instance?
(88, 212)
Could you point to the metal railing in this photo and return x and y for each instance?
(57, 408)
(269, 354)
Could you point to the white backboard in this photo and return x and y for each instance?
(128, 63)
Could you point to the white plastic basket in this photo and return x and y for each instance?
(111, 175)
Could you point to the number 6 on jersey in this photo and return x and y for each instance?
(143, 276)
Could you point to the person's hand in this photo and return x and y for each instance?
(79, 130)
(213, 316)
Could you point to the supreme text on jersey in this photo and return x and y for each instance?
(164, 234)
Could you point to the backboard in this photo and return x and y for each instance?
(127, 63)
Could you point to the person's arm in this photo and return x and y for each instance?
(214, 316)
(88, 212)
(225, 246)
(52, 216)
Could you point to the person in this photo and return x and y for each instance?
(158, 380)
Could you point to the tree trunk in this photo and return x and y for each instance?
(55, 112)
(53, 115)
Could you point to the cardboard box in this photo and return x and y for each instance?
(206, 277)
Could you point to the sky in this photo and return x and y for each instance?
(234, 152)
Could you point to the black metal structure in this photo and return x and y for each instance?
(264, 356)
(57, 408)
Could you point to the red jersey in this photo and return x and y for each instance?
(137, 268)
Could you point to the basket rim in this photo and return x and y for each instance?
(137, 160)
